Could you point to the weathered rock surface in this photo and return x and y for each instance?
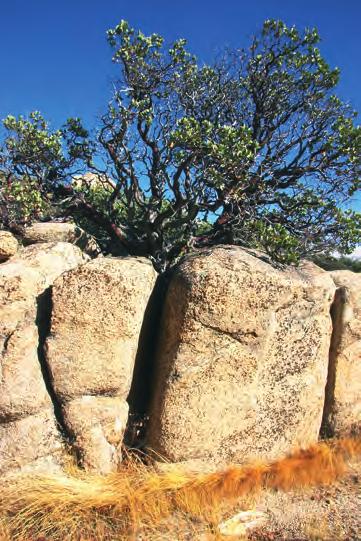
(98, 311)
(25, 441)
(24, 297)
(48, 260)
(8, 245)
(242, 360)
(22, 388)
(61, 232)
(98, 424)
(23, 281)
(343, 397)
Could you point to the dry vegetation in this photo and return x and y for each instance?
(139, 503)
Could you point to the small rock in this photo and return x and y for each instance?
(8, 245)
(242, 523)
(61, 232)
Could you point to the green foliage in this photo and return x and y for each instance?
(330, 263)
(254, 149)
(34, 162)
(23, 201)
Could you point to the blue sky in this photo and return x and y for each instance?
(54, 56)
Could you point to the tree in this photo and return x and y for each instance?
(307, 164)
(255, 150)
(331, 262)
(35, 164)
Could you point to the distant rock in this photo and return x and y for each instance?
(242, 360)
(8, 245)
(91, 181)
(61, 232)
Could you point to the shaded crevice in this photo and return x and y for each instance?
(337, 316)
(141, 390)
(7, 340)
(43, 323)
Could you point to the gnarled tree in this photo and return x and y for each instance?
(255, 149)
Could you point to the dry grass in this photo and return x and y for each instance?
(80, 506)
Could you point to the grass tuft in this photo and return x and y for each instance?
(79, 506)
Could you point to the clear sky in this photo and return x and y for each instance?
(55, 58)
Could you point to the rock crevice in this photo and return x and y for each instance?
(28, 428)
(342, 409)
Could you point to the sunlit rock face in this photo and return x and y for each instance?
(98, 311)
(242, 360)
(28, 428)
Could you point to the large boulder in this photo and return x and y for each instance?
(24, 317)
(343, 400)
(98, 311)
(242, 361)
(61, 232)
(8, 245)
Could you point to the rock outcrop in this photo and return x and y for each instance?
(27, 423)
(61, 232)
(242, 359)
(8, 245)
(249, 360)
(343, 396)
(98, 311)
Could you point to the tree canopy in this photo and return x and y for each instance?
(254, 149)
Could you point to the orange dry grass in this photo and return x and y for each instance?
(138, 498)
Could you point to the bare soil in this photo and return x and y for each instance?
(331, 513)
